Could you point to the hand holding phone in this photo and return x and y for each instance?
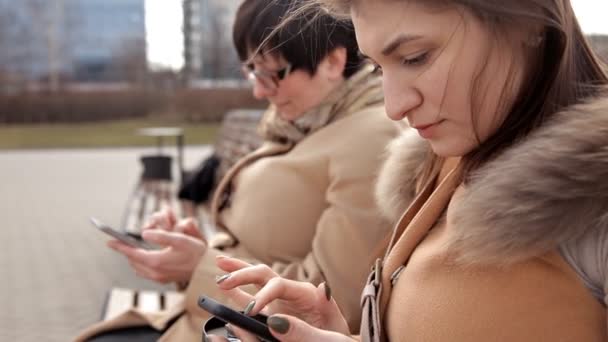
(253, 324)
(122, 236)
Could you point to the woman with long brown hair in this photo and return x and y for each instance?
(506, 238)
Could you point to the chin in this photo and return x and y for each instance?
(289, 116)
(285, 117)
(447, 149)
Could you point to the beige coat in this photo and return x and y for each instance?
(489, 268)
(308, 212)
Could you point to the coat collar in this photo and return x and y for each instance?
(550, 188)
(361, 90)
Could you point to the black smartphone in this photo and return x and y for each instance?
(122, 236)
(253, 324)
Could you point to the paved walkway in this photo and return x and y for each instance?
(54, 267)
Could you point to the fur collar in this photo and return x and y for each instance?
(396, 184)
(546, 190)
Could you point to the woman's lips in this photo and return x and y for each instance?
(428, 130)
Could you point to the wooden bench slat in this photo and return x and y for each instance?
(172, 298)
(148, 301)
(119, 301)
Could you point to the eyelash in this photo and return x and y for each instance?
(415, 61)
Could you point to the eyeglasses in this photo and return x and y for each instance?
(269, 79)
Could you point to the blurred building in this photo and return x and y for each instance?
(73, 40)
(24, 48)
(208, 49)
(109, 42)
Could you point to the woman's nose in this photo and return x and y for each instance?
(400, 98)
(260, 91)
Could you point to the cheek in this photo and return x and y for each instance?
(289, 93)
(492, 108)
(467, 100)
(447, 91)
(310, 94)
(296, 88)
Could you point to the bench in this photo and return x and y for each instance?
(120, 300)
(237, 137)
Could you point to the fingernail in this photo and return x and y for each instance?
(220, 279)
(278, 324)
(221, 257)
(327, 291)
(249, 307)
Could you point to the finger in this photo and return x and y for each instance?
(169, 215)
(214, 338)
(230, 264)
(154, 221)
(120, 247)
(330, 310)
(287, 328)
(164, 238)
(257, 275)
(189, 226)
(242, 334)
(285, 289)
(164, 219)
(138, 255)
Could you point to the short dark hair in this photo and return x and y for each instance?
(303, 41)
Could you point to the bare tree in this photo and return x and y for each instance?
(4, 23)
(4, 37)
(39, 39)
(130, 61)
(47, 22)
(13, 58)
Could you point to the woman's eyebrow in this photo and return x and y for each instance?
(395, 43)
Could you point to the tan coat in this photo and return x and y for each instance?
(308, 212)
(489, 268)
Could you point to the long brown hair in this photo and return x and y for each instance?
(564, 71)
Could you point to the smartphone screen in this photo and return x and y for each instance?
(254, 324)
(123, 237)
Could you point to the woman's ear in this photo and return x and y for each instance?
(334, 63)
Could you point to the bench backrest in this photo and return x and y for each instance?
(237, 137)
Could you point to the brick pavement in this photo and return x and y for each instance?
(54, 267)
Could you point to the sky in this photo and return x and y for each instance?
(165, 42)
(164, 33)
(592, 15)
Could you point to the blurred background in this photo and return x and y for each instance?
(78, 79)
(118, 63)
(132, 62)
